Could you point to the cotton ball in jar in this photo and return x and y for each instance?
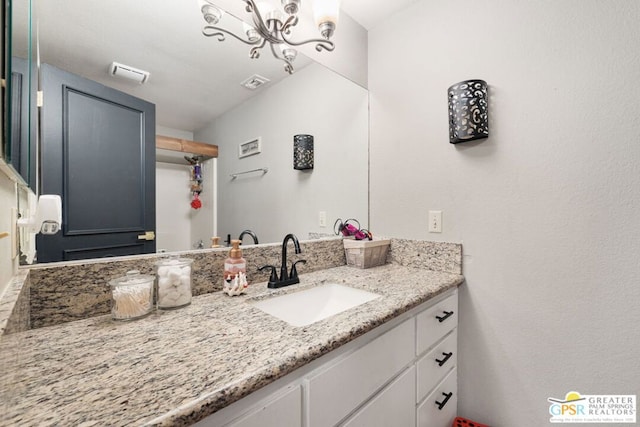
(185, 280)
(174, 274)
(164, 284)
(183, 299)
(163, 271)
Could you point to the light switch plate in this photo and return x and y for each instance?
(322, 218)
(435, 221)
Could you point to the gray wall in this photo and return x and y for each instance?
(315, 101)
(547, 208)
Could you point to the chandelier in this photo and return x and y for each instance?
(274, 26)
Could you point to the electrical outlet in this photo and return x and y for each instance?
(435, 221)
(322, 218)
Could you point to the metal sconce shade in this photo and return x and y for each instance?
(468, 111)
(303, 152)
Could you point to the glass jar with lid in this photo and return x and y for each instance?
(174, 282)
(131, 296)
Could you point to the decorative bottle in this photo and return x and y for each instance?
(235, 269)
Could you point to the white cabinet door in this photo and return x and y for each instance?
(342, 387)
(284, 411)
(283, 408)
(393, 406)
(440, 407)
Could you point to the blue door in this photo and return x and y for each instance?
(98, 153)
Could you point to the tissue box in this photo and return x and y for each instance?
(366, 253)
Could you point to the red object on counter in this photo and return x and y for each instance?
(463, 422)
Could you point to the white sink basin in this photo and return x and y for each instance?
(311, 305)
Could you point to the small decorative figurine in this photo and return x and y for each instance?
(236, 285)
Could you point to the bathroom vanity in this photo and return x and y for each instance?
(402, 373)
(222, 361)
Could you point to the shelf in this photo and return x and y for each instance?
(173, 150)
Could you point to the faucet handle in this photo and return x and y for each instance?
(294, 270)
(273, 278)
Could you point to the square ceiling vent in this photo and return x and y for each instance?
(255, 81)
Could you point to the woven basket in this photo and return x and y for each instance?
(366, 253)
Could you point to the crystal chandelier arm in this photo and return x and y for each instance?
(211, 31)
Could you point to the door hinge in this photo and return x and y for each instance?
(39, 98)
(148, 235)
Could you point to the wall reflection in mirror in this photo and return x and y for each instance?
(194, 86)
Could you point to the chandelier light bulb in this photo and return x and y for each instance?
(269, 12)
(252, 33)
(291, 6)
(326, 14)
(288, 52)
(210, 12)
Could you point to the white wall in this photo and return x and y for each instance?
(547, 208)
(178, 226)
(8, 200)
(313, 101)
(173, 209)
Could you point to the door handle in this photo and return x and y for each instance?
(148, 235)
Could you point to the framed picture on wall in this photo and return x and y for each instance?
(250, 148)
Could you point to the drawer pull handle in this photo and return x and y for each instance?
(444, 360)
(447, 314)
(447, 396)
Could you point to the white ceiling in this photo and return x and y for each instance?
(193, 78)
(370, 13)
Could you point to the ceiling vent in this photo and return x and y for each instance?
(255, 81)
(127, 72)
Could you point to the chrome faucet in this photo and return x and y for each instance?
(250, 233)
(285, 279)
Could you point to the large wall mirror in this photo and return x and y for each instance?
(195, 86)
(18, 99)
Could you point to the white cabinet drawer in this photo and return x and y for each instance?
(436, 363)
(440, 407)
(393, 406)
(336, 391)
(285, 410)
(435, 322)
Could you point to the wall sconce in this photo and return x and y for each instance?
(303, 152)
(468, 111)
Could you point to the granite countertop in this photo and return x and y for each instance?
(177, 367)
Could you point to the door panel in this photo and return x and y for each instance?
(22, 153)
(108, 251)
(98, 153)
